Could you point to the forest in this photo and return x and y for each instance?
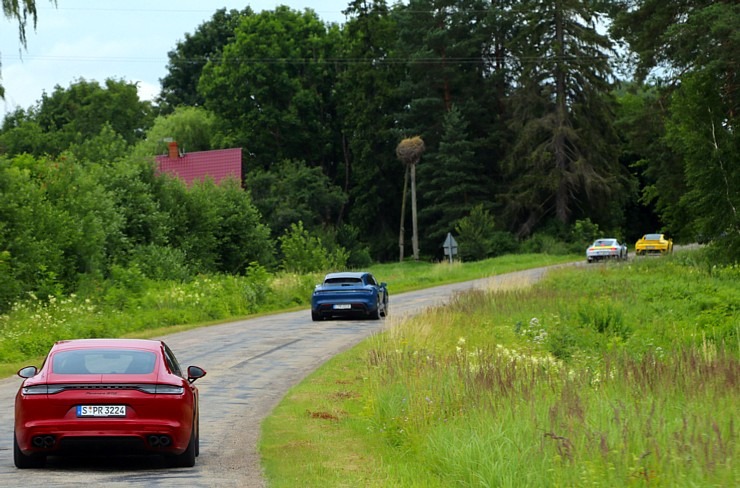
(544, 124)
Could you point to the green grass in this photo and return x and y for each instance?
(136, 307)
(615, 375)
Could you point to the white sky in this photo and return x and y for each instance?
(100, 39)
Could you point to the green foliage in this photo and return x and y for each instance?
(56, 223)
(367, 101)
(585, 231)
(304, 253)
(70, 116)
(563, 163)
(192, 128)
(104, 148)
(348, 237)
(10, 287)
(242, 237)
(545, 243)
(219, 228)
(186, 61)
(21, 12)
(293, 192)
(450, 182)
(475, 234)
(160, 263)
(696, 190)
(66, 221)
(279, 110)
(702, 133)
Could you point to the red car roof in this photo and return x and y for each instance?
(148, 344)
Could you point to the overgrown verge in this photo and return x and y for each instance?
(131, 304)
(616, 375)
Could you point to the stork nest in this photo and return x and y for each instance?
(410, 150)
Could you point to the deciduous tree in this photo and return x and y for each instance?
(21, 11)
(186, 61)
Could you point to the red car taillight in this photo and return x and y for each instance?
(41, 390)
(156, 389)
(162, 389)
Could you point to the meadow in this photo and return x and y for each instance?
(622, 374)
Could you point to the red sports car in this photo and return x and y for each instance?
(107, 396)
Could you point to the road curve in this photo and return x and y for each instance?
(251, 364)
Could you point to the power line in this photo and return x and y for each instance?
(307, 61)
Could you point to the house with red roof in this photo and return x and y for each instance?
(218, 165)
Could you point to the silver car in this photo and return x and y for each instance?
(607, 248)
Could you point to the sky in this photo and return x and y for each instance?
(120, 39)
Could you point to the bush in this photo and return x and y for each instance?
(162, 263)
(304, 253)
(585, 232)
(476, 235)
(544, 244)
(503, 243)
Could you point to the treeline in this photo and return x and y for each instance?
(542, 122)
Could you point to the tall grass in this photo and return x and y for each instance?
(130, 304)
(622, 375)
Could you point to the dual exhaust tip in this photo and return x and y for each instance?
(44, 441)
(159, 440)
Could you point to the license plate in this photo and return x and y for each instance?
(101, 410)
(342, 306)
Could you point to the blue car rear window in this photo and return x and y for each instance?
(335, 281)
(103, 361)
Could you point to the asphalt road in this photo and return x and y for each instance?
(251, 364)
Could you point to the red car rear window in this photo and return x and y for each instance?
(103, 361)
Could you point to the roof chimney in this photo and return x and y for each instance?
(174, 153)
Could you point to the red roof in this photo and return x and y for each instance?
(218, 165)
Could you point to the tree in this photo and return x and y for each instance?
(293, 192)
(72, 115)
(368, 99)
(193, 128)
(658, 171)
(699, 129)
(57, 222)
(564, 160)
(21, 11)
(454, 56)
(451, 183)
(272, 88)
(409, 151)
(476, 234)
(186, 61)
(695, 47)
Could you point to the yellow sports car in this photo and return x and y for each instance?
(653, 244)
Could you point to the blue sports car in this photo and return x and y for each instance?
(349, 294)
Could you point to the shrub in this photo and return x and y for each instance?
(476, 234)
(304, 253)
(161, 262)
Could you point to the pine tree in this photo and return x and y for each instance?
(564, 161)
(450, 181)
